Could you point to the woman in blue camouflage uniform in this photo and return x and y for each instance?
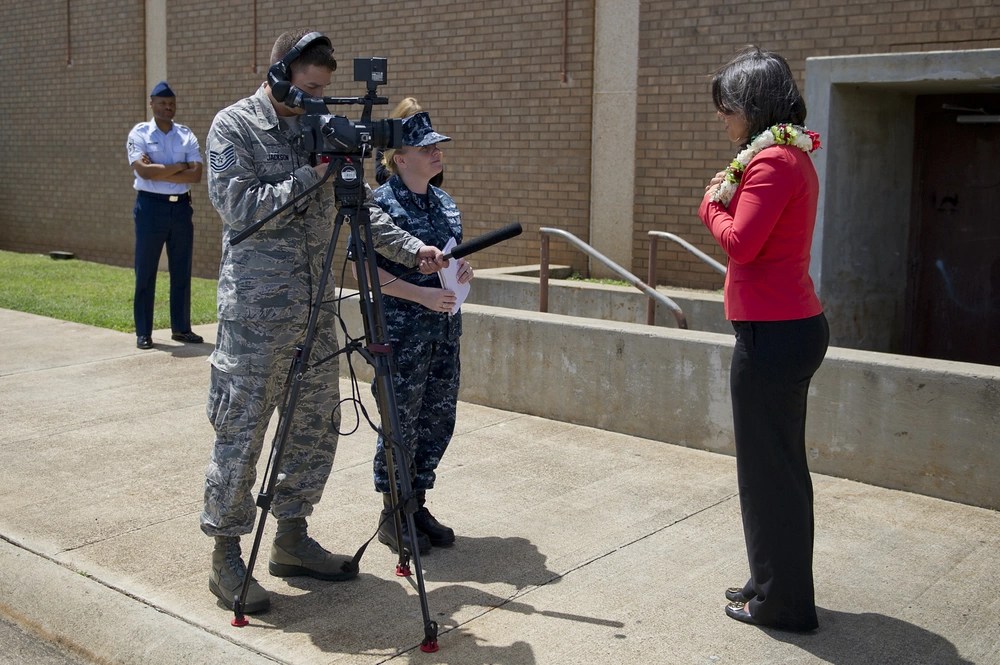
(421, 326)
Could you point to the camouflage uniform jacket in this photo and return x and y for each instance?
(434, 219)
(255, 166)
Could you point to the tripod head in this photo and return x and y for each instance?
(349, 179)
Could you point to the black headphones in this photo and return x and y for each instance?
(279, 76)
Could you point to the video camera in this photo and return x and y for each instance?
(326, 134)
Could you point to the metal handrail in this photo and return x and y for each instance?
(543, 274)
(718, 267)
(651, 274)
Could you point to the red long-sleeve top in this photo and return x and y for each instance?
(767, 234)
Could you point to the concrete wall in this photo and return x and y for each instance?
(517, 288)
(156, 42)
(924, 426)
(860, 251)
(863, 106)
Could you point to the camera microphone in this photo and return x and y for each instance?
(484, 241)
(476, 244)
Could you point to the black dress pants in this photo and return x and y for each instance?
(773, 363)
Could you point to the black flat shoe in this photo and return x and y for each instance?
(187, 337)
(740, 612)
(143, 342)
(736, 595)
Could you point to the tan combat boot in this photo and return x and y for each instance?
(228, 572)
(294, 553)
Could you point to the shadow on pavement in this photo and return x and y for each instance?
(862, 639)
(389, 604)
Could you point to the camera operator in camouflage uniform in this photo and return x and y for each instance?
(421, 326)
(266, 289)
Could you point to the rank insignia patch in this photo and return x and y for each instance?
(222, 160)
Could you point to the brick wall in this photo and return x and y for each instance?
(73, 88)
(492, 79)
(490, 72)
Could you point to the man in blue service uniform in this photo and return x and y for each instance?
(165, 159)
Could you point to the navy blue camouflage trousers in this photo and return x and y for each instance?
(425, 380)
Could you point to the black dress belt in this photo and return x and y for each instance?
(171, 198)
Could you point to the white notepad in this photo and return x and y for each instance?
(449, 278)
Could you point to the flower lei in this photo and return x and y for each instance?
(782, 134)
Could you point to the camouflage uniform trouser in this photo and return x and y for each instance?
(426, 385)
(249, 372)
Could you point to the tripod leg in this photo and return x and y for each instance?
(396, 501)
(286, 413)
(373, 316)
(429, 643)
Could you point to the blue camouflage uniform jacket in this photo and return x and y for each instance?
(434, 219)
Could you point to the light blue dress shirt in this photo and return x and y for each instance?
(178, 145)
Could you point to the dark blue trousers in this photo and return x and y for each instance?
(159, 222)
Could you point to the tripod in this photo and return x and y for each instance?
(350, 195)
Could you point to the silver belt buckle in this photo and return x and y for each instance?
(174, 198)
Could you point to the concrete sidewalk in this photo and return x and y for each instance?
(575, 545)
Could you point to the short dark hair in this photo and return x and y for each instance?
(759, 84)
(317, 53)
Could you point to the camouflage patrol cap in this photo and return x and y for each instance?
(417, 131)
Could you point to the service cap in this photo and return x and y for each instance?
(161, 89)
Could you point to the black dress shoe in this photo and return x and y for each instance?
(739, 612)
(187, 337)
(736, 595)
(143, 342)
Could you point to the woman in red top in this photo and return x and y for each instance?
(762, 210)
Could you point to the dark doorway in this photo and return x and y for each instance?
(953, 287)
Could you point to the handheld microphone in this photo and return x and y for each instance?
(484, 241)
